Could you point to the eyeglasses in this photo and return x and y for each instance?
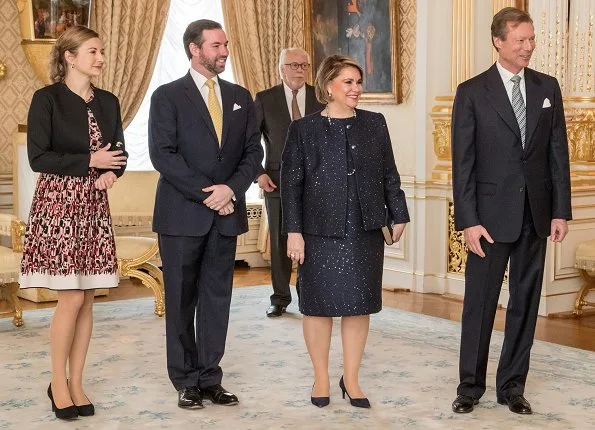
(295, 66)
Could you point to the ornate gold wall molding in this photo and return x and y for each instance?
(462, 42)
(580, 124)
(581, 81)
(457, 251)
(441, 118)
(407, 16)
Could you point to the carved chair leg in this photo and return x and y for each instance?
(152, 283)
(13, 299)
(580, 298)
(156, 273)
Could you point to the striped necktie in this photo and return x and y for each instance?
(518, 105)
(215, 109)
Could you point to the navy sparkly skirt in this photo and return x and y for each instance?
(343, 276)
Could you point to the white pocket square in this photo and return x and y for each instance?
(546, 103)
(237, 106)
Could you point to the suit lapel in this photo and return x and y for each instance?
(535, 97)
(228, 101)
(282, 107)
(195, 97)
(498, 98)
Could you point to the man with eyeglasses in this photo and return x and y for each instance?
(275, 108)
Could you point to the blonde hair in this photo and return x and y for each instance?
(70, 41)
(329, 69)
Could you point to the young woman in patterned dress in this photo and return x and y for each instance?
(75, 140)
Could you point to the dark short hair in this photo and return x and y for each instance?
(508, 15)
(328, 70)
(193, 33)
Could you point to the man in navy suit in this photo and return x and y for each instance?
(204, 142)
(511, 190)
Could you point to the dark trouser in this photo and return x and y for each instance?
(198, 277)
(280, 263)
(483, 281)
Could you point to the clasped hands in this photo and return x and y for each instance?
(220, 199)
(103, 158)
(473, 235)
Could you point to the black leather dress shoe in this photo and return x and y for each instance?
(276, 311)
(463, 404)
(516, 403)
(190, 398)
(219, 395)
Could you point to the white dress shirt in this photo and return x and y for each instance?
(200, 82)
(508, 84)
(301, 98)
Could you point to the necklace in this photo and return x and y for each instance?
(328, 115)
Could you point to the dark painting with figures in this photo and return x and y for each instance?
(361, 29)
(52, 17)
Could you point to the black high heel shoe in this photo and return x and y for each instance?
(67, 413)
(361, 402)
(87, 410)
(321, 402)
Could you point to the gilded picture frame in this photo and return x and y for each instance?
(50, 18)
(362, 29)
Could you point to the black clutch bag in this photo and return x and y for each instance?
(387, 229)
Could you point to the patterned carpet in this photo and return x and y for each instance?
(409, 374)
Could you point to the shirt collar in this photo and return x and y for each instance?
(507, 74)
(288, 90)
(200, 79)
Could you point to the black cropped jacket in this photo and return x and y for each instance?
(58, 129)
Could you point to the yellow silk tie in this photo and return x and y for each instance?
(214, 109)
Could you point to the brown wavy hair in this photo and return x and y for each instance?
(508, 15)
(71, 40)
(329, 69)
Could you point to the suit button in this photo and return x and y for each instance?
(219, 158)
(352, 146)
(348, 126)
(522, 189)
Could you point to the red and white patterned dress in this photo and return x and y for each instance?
(69, 243)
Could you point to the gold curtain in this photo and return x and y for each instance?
(257, 31)
(131, 31)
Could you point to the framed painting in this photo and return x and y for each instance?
(52, 17)
(363, 29)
